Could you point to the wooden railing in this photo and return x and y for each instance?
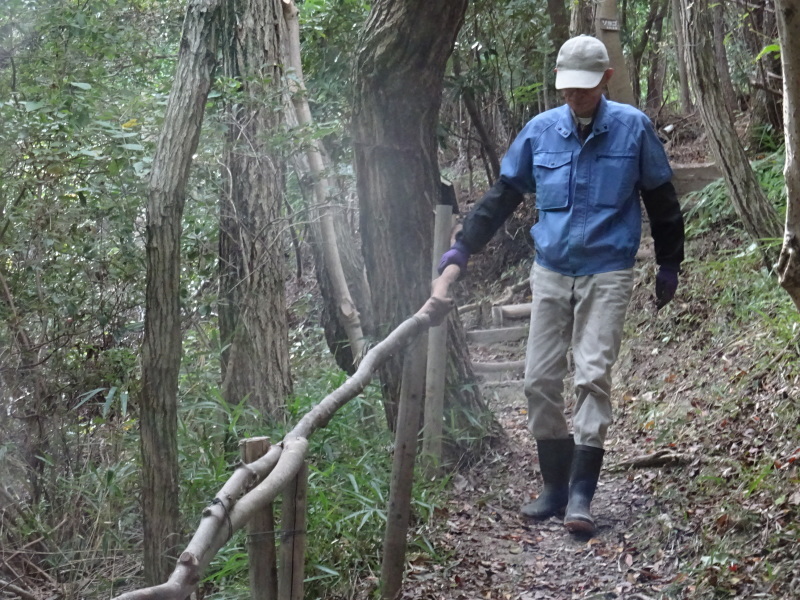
(266, 471)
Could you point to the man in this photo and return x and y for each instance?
(588, 162)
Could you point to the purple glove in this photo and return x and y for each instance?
(457, 255)
(666, 284)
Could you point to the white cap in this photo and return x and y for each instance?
(581, 63)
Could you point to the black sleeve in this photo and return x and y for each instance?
(488, 215)
(666, 224)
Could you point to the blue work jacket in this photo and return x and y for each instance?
(587, 195)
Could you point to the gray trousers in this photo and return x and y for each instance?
(588, 313)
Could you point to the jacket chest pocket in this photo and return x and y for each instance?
(614, 178)
(552, 172)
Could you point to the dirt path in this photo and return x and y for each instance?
(495, 553)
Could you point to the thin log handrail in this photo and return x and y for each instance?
(253, 486)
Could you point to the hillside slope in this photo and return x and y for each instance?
(700, 495)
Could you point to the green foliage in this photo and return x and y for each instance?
(505, 52)
(711, 209)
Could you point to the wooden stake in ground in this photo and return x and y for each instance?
(405, 451)
(260, 534)
(437, 357)
(293, 537)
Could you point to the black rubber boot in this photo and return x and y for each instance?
(555, 461)
(586, 465)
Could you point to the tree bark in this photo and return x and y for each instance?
(758, 216)
(680, 58)
(760, 25)
(398, 87)
(558, 34)
(559, 20)
(252, 312)
(651, 25)
(723, 68)
(582, 17)
(347, 312)
(654, 97)
(468, 96)
(607, 26)
(161, 348)
(788, 16)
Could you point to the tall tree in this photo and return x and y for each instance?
(649, 36)
(721, 54)
(607, 27)
(252, 312)
(398, 87)
(758, 216)
(161, 350)
(680, 58)
(582, 17)
(657, 72)
(330, 267)
(789, 32)
(759, 26)
(559, 19)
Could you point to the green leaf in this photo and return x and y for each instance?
(109, 400)
(770, 49)
(133, 146)
(88, 152)
(32, 106)
(88, 396)
(81, 85)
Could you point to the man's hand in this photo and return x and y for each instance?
(666, 284)
(457, 255)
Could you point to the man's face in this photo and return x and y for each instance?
(584, 101)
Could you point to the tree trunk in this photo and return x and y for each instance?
(680, 58)
(760, 26)
(559, 20)
(789, 32)
(252, 312)
(558, 34)
(607, 26)
(347, 312)
(468, 96)
(399, 74)
(582, 17)
(646, 40)
(161, 348)
(756, 213)
(654, 97)
(723, 70)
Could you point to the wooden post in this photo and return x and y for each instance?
(293, 538)
(437, 357)
(405, 451)
(260, 534)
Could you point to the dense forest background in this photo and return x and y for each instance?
(84, 102)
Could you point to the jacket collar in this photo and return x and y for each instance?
(566, 122)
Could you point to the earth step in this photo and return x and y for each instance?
(499, 370)
(504, 334)
(512, 385)
(505, 312)
(692, 177)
